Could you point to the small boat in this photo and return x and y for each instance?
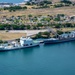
(24, 43)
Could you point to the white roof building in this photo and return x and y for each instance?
(5, 4)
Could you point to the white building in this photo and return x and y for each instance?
(6, 4)
(37, 1)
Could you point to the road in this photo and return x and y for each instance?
(28, 32)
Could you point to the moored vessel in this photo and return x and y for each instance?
(24, 43)
(66, 37)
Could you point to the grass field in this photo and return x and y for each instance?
(10, 36)
(48, 11)
(67, 29)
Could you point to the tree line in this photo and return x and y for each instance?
(38, 26)
(11, 27)
(14, 8)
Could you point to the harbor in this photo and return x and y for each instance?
(26, 42)
(37, 37)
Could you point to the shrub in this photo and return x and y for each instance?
(59, 32)
(66, 1)
(1, 41)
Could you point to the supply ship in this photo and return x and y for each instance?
(24, 43)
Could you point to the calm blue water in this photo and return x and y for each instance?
(13, 1)
(56, 59)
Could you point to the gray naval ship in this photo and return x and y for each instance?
(65, 37)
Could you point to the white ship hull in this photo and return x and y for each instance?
(17, 48)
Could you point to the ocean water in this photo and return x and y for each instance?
(55, 59)
(12, 1)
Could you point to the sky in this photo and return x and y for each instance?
(12, 1)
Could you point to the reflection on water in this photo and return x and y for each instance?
(3, 53)
(27, 51)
